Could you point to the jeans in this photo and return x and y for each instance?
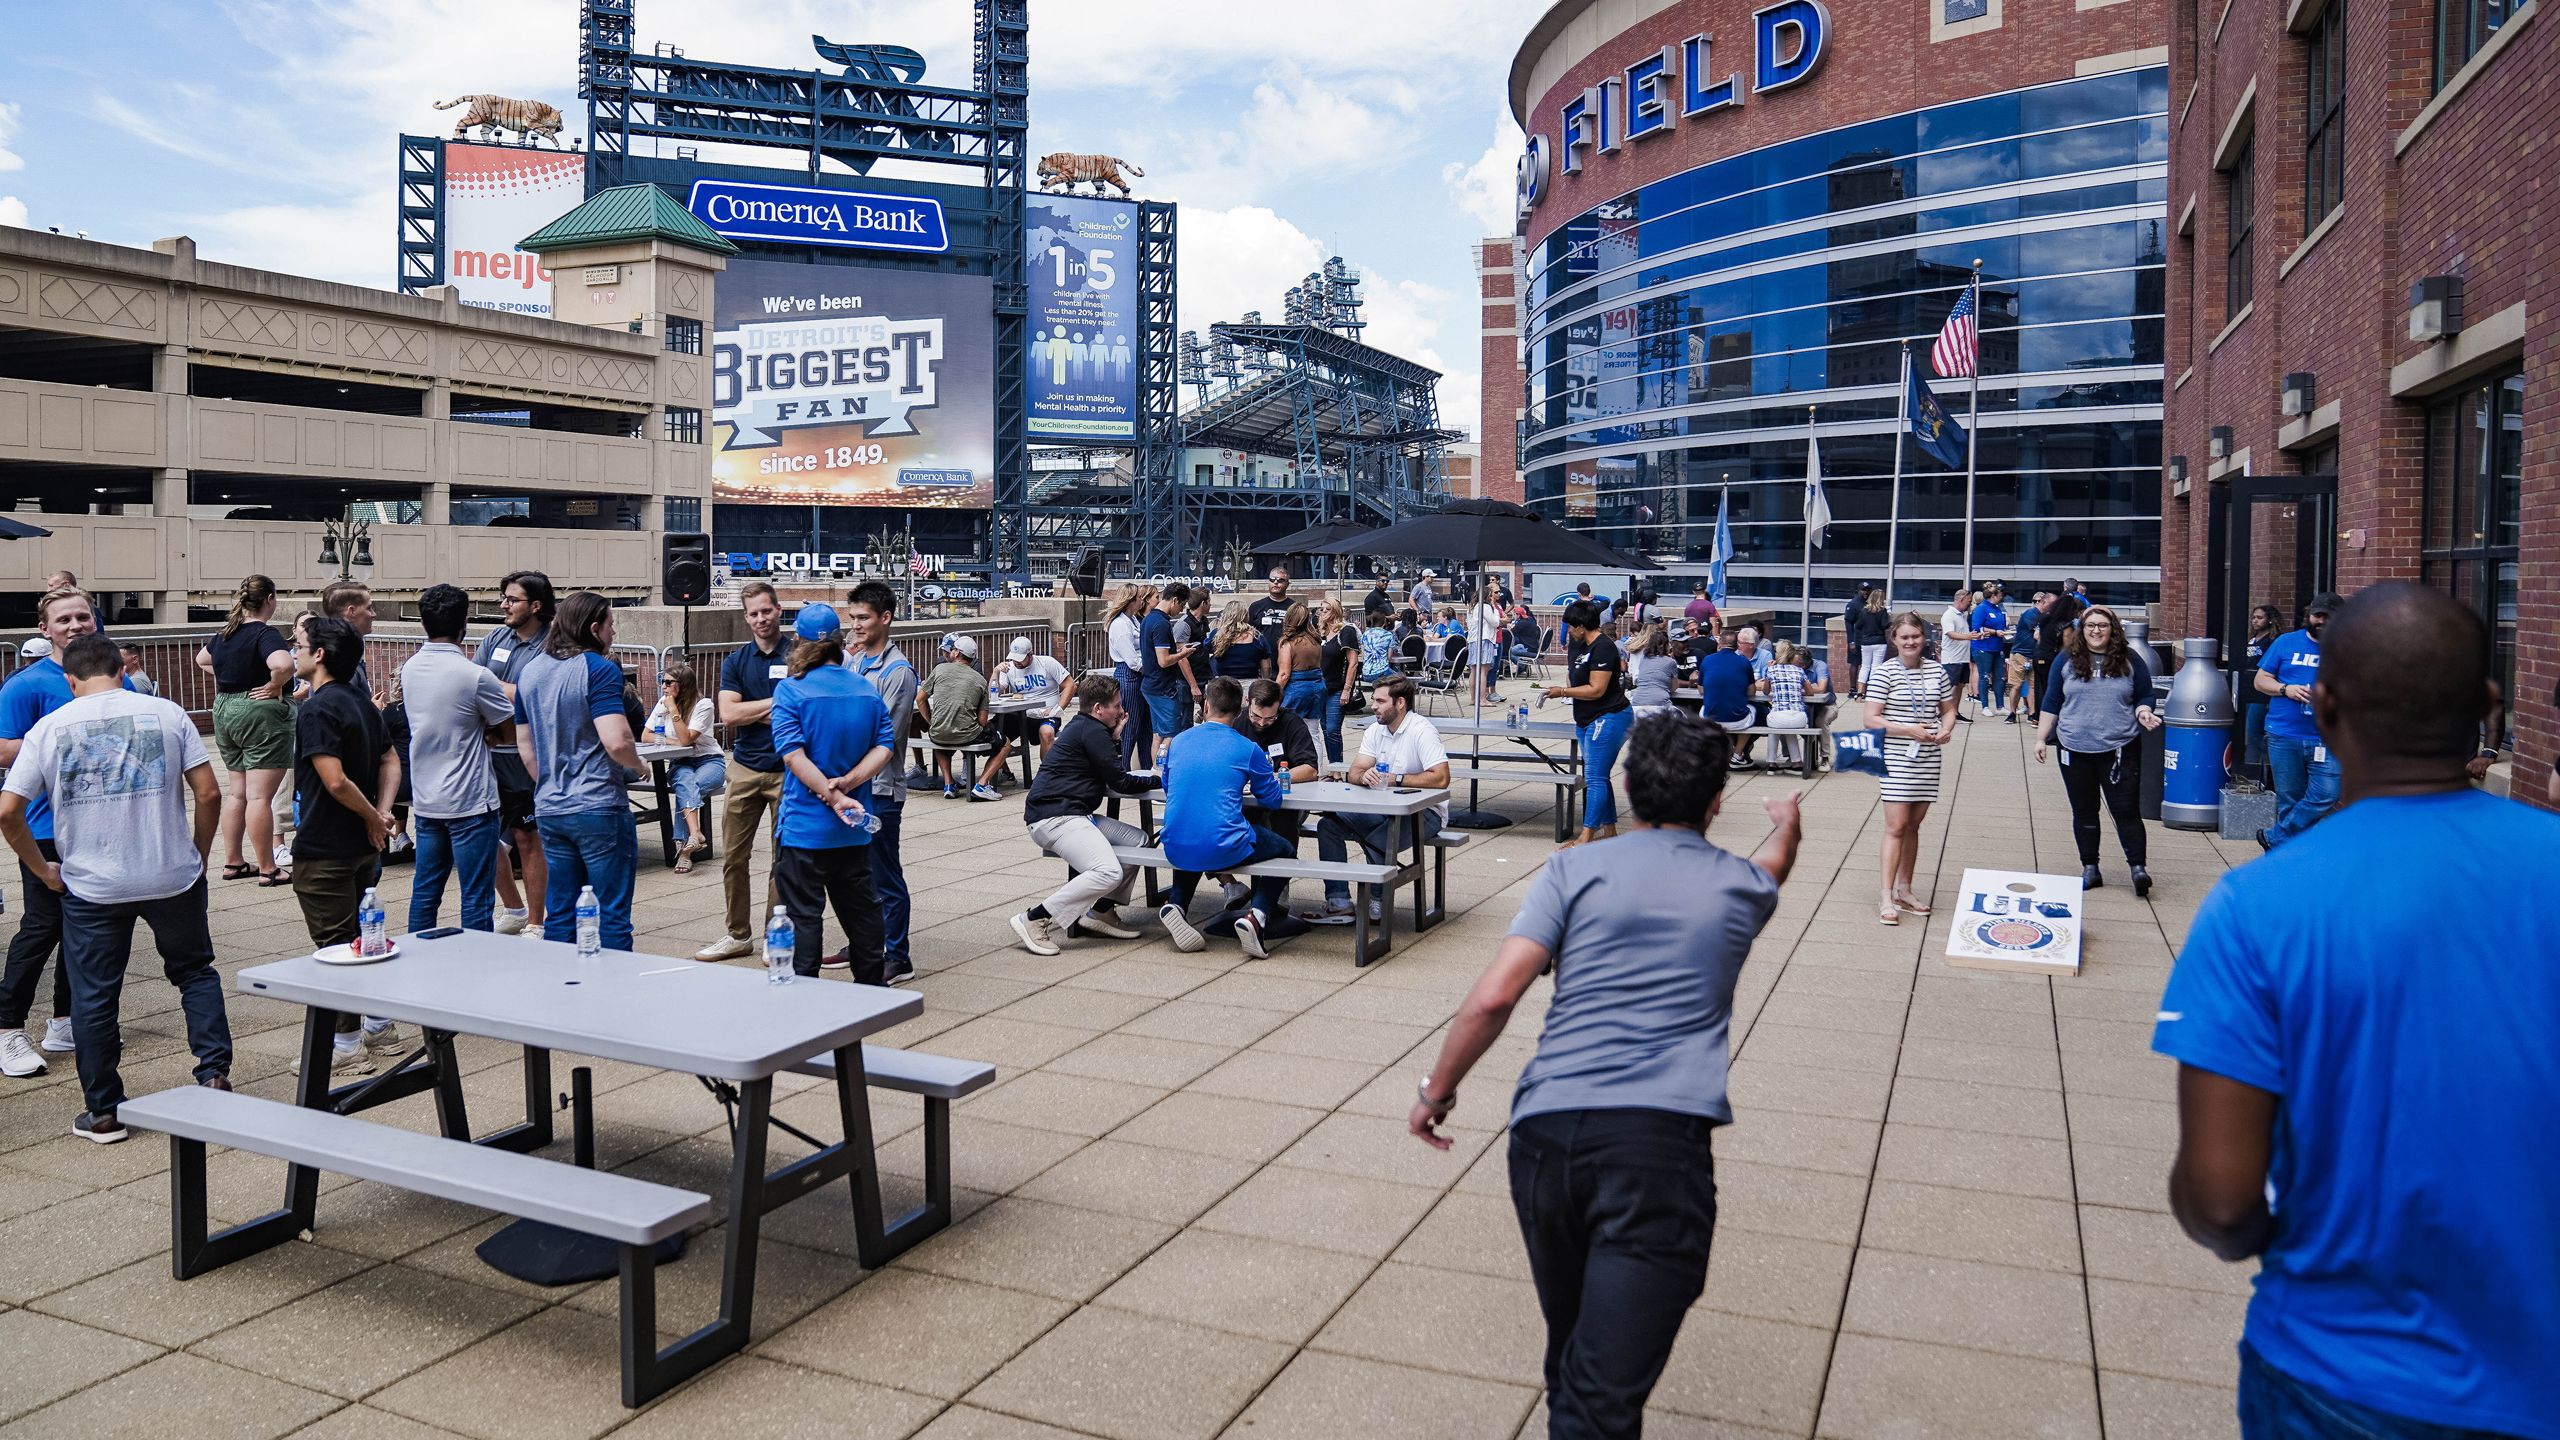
(2253, 729)
(97, 945)
(1268, 891)
(689, 779)
(2118, 775)
(465, 849)
(889, 881)
(1305, 696)
(1377, 836)
(805, 882)
(1617, 1208)
(1602, 739)
(590, 847)
(2276, 1406)
(2306, 785)
(1333, 727)
(39, 935)
(1137, 743)
(753, 797)
(1990, 680)
(1084, 842)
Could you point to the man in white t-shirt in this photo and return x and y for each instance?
(118, 768)
(1039, 678)
(1484, 644)
(1400, 750)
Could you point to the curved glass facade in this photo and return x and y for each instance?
(1674, 337)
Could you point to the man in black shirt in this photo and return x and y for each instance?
(1083, 767)
(345, 776)
(1377, 601)
(1283, 734)
(754, 786)
(1268, 612)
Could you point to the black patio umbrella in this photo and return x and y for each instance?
(1484, 533)
(1311, 540)
(12, 528)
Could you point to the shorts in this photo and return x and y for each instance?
(252, 734)
(515, 790)
(1022, 727)
(1165, 713)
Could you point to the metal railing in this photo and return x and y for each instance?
(1088, 647)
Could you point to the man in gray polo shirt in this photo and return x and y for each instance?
(1611, 1172)
(453, 793)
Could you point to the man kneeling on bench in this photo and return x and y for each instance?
(1083, 767)
(1208, 771)
(1400, 750)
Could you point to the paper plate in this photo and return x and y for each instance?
(346, 955)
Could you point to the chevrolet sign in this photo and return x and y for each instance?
(800, 215)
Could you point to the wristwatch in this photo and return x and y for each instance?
(1422, 1091)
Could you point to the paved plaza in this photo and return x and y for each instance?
(1189, 1206)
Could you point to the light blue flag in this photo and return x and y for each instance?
(1723, 551)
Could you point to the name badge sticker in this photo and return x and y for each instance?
(780, 671)
(499, 656)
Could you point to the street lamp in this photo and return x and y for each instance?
(347, 542)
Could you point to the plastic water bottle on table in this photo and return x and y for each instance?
(371, 938)
(590, 922)
(780, 940)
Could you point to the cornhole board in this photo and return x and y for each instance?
(2016, 920)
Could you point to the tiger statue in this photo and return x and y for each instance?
(1065, 170)
(531, 118)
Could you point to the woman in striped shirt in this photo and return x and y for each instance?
(1910, 700)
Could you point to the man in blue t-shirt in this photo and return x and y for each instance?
(2367, 1094)
(1989, 623)
(34, 692)
(1206, 773)
(2306, 775)
(1724, 689)
(576, 742)
(833, 734)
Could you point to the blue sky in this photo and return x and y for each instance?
(1287, 132)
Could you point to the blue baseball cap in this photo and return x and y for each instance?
(817, 621)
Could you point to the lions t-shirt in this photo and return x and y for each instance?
(2294, 660)
(114, 765)
(34, 692)
(2407, 1030)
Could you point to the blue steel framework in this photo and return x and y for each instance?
(421, 254)
(1676, 334)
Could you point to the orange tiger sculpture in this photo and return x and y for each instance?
(1066, 170)
(497, 112)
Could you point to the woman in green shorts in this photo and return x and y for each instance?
(252, 669)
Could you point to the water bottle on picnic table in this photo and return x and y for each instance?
(779, 942)
(370, 939)
(590, 923)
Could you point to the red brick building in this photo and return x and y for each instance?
(2326, 157)
(1498, 424)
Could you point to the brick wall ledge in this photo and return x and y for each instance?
(2234, 323)
(2463, 77)
(2484, 344)
(2318, 233)
(2308, 430)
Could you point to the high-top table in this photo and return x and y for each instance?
(727, 1025)
(657, 758)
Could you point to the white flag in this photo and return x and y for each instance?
(1817, 510)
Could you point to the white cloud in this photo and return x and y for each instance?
(1239, 259)
(9, 159)
(1488, 189)
(13, 211)
(345, 242)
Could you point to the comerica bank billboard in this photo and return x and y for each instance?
(838, 385)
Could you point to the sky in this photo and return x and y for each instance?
(1289, 132)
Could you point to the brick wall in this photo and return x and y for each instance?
(1505, 391)
(2470, 194)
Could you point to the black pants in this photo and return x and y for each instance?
(1617, 1208)
(330, 893)
(39, 935)
(98, 945)
(1269, 892)
(805, 882)
(2117, 774)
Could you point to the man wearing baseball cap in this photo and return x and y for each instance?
(953, 708)
(1039, 679)
(833, 735)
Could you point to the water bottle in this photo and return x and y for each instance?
(1523, 722)
(590, 923)
(779, 943)
(862, 820)
(370, 939)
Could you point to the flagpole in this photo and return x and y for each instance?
(1804, 629)
(1893, 526)
(1973, 425)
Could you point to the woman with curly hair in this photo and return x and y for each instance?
(2097, 701)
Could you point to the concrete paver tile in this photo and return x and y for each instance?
(1470, 1325)
(368, 1330)
(1245, 989)
(556, 1373)
(2002, 1308)
(1961, 1105)
(143, 1300)
(1054, 1250)
(1905, 1390)
(1240, 1284)
(1337, 1037)
(50, 1358)
(745, 1395)
(1755, 1372)
(1079, 1008)
(1009, 1045)
(791, 1281)
(1973, 1225)
(2147, 1247)
(955, 1332)
(1758, 1084)
(218, 1403)
(1835, 1012)
(1218, 1125)
(363, 1422)
(1976, 1160)
(1140, 973)
(2142, 1407)
(2167, 1333)
(1806, 1142)
(1928, 1058)
(1145, 1181)
(80, 1238)
(1323, 1397)
(1133, 1377)
(967, 1422)
(1192, 1019)
(1349, 1214)
(2110, 1120)
(1297, 1079)
(1980, 1025)
(1783, 1200)
(1045, 1100)
(1383, 1150)
(1807, 1045)
(2124, 1179)
(1467, 1231)
(987, 1155)
(1776, 1277)
(1140, 1060)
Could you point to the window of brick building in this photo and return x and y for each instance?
(684, 425)
(2463, 26)
(2472, 514)
(2324, 120)
(684, 337)
(2240, 228)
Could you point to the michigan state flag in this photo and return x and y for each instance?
(1931, 425)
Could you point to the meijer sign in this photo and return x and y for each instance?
(1676, 83)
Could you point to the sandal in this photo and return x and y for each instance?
(273, 879)
(239, 872)
(1889, 915)
(1910, 904)
(684, 859)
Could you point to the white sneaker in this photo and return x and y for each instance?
(18, 1059)
(984, 791)
(510, 922)
(1186, 936)
(1249, 935)
(727, 947)
(385, 1040)
(1335, 912)
(57, 1036)
(346, 1057)
(1039, 935)
(1097, 923)
(1233, 893)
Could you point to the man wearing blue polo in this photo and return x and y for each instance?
(1989, 623)
(1207, 771)
(2367, 1095)
(2305, 774)
(1160, 663)
(833, 734)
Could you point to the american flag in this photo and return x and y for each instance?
(1953, 355)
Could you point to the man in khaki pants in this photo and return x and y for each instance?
(747, 679)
